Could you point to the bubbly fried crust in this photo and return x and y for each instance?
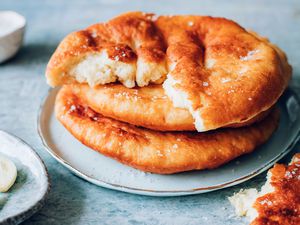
(148, 107)
(222, 69)
(224, 74)
(282, 206)
(154, 151)
(132, 38)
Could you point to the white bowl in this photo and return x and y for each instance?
(12, 27)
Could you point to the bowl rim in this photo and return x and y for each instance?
(18, 20)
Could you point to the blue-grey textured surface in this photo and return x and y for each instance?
(22, 85)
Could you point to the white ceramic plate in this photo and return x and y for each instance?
(28, 193)
(109, 173)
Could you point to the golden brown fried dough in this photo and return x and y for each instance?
(154, 151)
(282, 205)
(278, 201)
(210, 66)
(147, 107)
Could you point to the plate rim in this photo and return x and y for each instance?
(148, 192)
(37, 205)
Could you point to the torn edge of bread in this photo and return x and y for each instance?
(181, 100)
(243, 200)
(99, 68)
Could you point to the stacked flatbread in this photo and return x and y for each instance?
(167, 94)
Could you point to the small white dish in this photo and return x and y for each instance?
(28, 193)
(12, 28)
(106, 172)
